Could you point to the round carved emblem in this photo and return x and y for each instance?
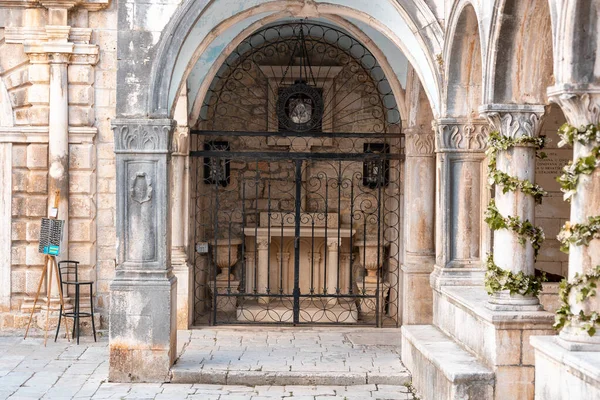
(300, 108)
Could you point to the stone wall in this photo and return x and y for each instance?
(25, 71)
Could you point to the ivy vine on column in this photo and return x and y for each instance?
(496, 278)
(580, 234)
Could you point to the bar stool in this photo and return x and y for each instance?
(69, 277)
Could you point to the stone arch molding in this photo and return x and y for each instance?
(453, 50)
(519, 57)
(408, 24)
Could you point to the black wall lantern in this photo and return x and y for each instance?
(217, 169)
(376, 171)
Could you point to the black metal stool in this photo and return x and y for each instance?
(68, 274)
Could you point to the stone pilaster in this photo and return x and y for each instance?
(419, 251)
(515, 121)
(142, 316)
(461, 237)
(179, 215)
(582, 108)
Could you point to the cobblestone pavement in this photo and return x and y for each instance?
(66, 371)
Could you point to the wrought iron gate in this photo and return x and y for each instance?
(297, 237)
(295, 221)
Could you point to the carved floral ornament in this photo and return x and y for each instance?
(142, 135)
(466, 136)
(580, 109)
(516, 123)
(419, 143)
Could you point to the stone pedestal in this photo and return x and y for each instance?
(143, 295)
(561, 374)
(368, 306)
(223, 287)
(472, 348)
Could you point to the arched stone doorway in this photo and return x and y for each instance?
(296, 183)
(144, 292)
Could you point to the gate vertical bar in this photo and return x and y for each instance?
(298, 205)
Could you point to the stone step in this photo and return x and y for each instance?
(441, 369)
(188, 374)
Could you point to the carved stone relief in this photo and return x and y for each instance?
(452, 134)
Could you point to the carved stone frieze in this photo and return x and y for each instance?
(460, 135)
(143, 136)
(419, 143)
(580, 107)
(514, 120)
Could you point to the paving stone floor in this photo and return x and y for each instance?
(63, 370)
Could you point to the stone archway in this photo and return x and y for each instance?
(143, 293)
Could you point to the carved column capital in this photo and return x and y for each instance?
(285, 257)
(580, 106)
(143, 135)
(514, 120)
(333, 244)
(181, 141)
(460, 135)
(419, 142)
(262, 243)
(59, 58)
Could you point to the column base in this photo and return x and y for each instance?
(573, 338)
(456, 276)
(505, 301)
(142, 328)
(417, 302)
(562, 374)
(368, 306)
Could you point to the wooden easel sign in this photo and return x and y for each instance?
(51, 230)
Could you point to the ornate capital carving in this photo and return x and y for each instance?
(581, 107)
(419, 143)
(285, 257)
(181, 141)
(514, 120)
(262, 243)
(333, 244)
(59, 58)
(460, 135)
(143, 135)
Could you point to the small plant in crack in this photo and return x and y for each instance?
(412, 390)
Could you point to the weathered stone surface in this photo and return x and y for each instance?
(441, 368)
(561, 374)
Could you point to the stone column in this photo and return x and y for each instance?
(461, 235)
(283, 262)
(333, 246)
(58, 146)
(419, 250)
(142, 316)
(179, 215)
(515, 121)
(262, 246)
(581, 108)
